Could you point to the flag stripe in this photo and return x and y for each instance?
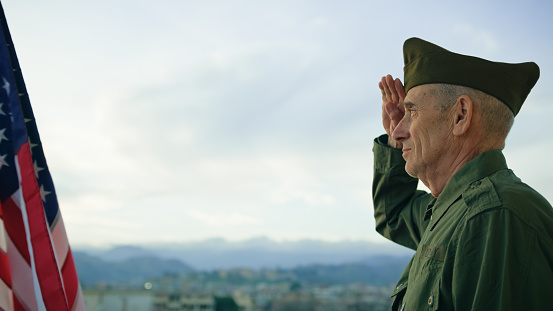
(6, 296)
(5, 275)
(37, 271)
(22, 276)
(3, 233)
(16, 228)
(46, 264)
(79, 305)
(17, 306)
(59, 237)
(70, 279)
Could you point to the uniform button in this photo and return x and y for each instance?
(402, 307)
(431, 300)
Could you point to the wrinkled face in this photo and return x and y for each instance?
(424, 132)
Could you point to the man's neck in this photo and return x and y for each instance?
(437, 179)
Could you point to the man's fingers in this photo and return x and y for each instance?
(385, 90)
(394, 113)
(390, 83)
(381, 87)
(398, 86)
(399, 89)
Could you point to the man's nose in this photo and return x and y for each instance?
(401, 132)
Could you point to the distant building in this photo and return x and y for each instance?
(183, 302)
(294, 302)
(243, 301)
(206, 293)
(118, 300)
(147, 300)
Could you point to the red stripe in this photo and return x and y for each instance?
(70, 279)
(47, 271)
(5, 269)
(4, 262)
(13, 221)
(17, 306)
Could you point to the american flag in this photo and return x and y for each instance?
(37, 271)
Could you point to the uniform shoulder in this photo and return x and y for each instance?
(516, 194)
(520, 199)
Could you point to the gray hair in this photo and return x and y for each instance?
(497, 118)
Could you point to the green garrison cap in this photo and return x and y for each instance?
(427, 63)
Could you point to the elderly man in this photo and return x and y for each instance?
(483, 238)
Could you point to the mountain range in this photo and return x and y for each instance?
(256, 253)
(313, 261)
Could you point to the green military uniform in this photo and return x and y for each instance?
(486, 243)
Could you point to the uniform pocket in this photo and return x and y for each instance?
(434, 298)
(397, 295)
(425, 278)
(431, 258)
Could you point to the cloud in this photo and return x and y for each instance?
(224, 219)
(480, 39)
(537, 172)
(187, 120)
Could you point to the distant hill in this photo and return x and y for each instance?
(254, 253)
(310, 261)
(125, 252)
(136, 271)
(379, 270)
(93, 270)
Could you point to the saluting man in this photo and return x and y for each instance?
(483, 238)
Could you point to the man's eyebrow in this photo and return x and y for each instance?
(408, 104)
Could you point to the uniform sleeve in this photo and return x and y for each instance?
(399, 207)
(499, 265)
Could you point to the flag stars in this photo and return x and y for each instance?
(43, 193)
(31, 145)
(6, 86)
(3, 161)
(2, 135)
(1, 110)
(37, 169)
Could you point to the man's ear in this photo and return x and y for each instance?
(462, 114)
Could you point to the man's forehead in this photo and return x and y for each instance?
(420, 94)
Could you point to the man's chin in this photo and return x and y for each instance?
(410, 171)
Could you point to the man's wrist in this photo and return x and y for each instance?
(387, 158)
(385, 139)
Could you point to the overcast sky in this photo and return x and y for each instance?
(172, 121)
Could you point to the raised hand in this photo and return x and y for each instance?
(393, 95)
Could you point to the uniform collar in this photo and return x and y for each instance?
(485, 164)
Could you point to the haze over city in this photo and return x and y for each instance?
(176, 121)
